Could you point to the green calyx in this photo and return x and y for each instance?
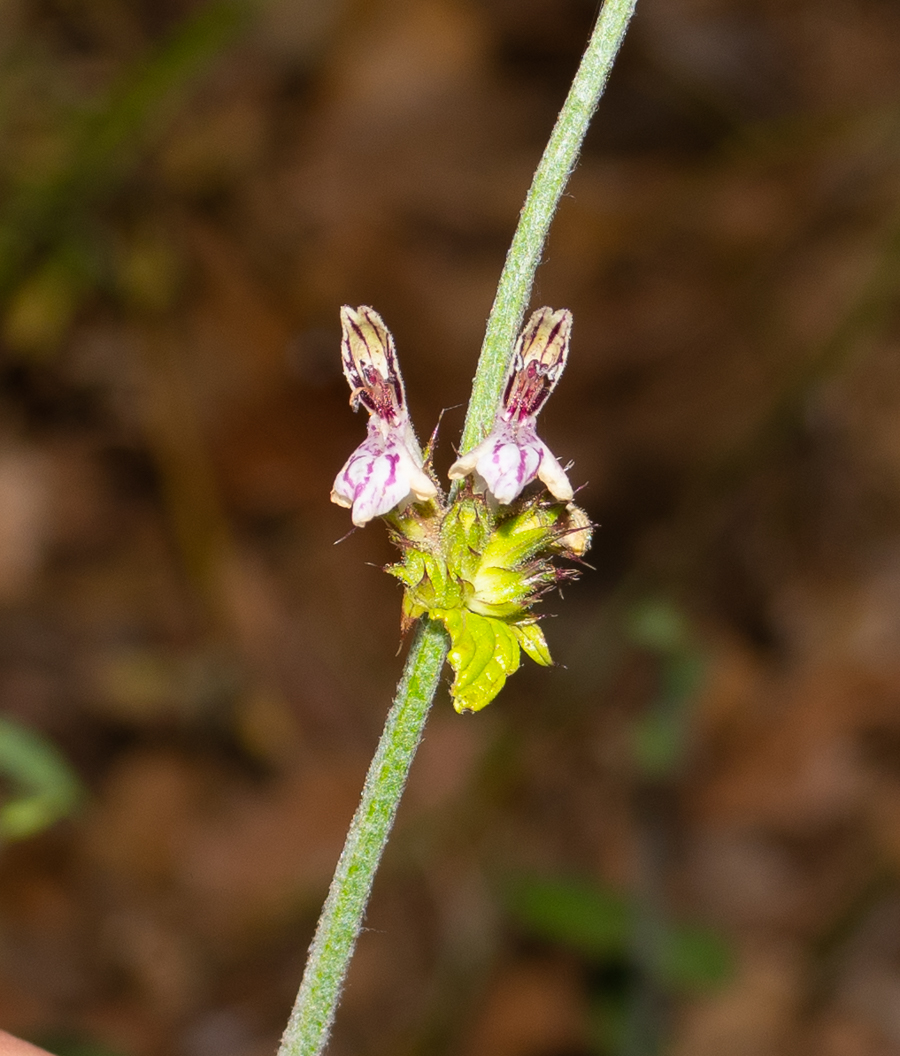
(479, 571)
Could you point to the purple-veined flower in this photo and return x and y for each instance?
(381, 474)
(513, 454)
(386, 470)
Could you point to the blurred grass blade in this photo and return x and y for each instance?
(105, 141)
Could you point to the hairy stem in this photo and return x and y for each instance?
(543, 197)
(341, 920)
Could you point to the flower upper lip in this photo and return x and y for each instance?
(370, 364)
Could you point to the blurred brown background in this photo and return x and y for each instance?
(684, 838)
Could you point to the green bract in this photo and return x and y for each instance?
(479, 571)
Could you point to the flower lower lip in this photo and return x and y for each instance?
(381, 475)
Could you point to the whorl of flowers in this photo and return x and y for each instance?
(477, 564)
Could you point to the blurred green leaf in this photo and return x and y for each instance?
(608, 1021)
(585, 917)
(658, 740)
(656, 624)
(45, 788)
(660, 736)
(695, 958)
(601, 924)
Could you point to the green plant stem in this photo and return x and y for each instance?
(341, 920)
(543, 197)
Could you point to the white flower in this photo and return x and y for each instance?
(386, 470)
(513, 454)
(511, 457)
(380, 475)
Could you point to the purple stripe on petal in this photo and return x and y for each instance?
(380, 475)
